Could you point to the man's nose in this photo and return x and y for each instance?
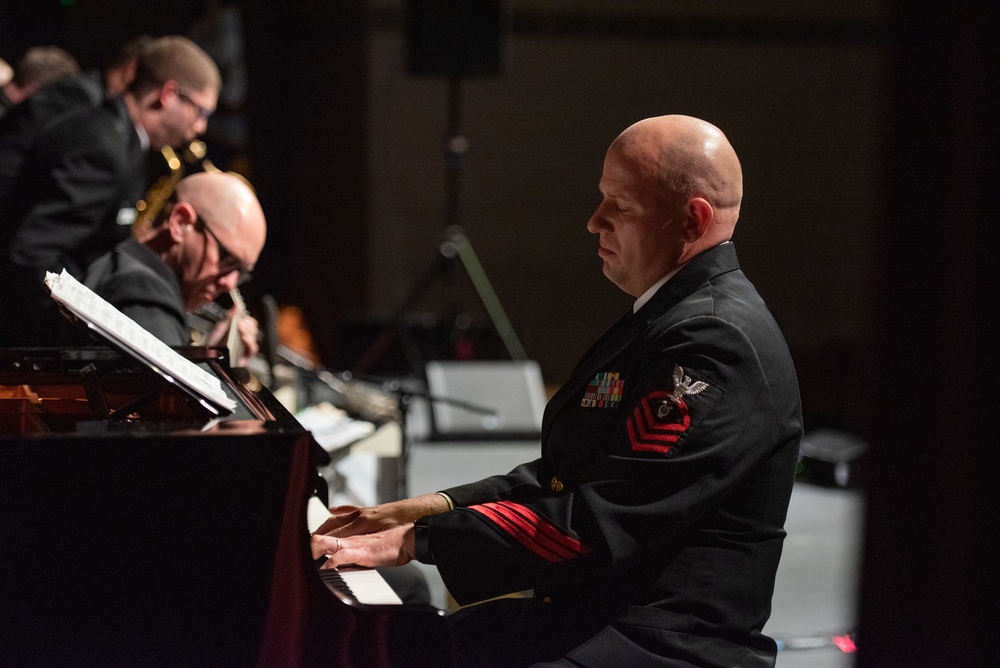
(229, 281)
(596, 222)
(199, 127)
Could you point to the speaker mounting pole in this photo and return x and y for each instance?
(455, 38)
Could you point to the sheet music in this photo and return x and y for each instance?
(114, 325)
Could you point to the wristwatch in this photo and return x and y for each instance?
(422, 540)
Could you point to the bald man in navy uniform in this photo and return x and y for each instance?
(650, 529)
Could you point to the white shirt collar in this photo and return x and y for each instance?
(143, 137)
(648, 294)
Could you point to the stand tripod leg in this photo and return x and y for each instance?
(488, 296)
(396, 325)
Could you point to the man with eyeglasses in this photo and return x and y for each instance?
(204, 242)
(70, 176)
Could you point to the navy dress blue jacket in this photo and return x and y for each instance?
(651, 527)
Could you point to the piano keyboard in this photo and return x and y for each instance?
(364, 586)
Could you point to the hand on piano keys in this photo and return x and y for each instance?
(378, 536)
(393, 547)
(354, 521)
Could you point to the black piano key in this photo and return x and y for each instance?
(332, 579)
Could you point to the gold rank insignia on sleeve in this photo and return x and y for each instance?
(661, 417)
(604, 391)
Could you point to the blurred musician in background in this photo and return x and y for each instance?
(40, 65)
(61, 95)
(19, 132)
(205, 240)
(68, 191)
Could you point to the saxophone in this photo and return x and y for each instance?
(149, 207)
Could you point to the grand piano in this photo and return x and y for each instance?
(140, 528)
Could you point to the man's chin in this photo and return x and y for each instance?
(617, 280)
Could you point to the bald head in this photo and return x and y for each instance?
(671, 189)
(228, 205)
(211, 235)
(688, 157)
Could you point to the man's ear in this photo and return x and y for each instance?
(181, 221)
(698, 214)
(161, 93)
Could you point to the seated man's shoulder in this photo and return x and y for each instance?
(120, 277)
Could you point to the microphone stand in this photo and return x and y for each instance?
(403, 393)
(404, 399)
(454, 250)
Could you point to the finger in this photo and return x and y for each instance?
(249, 350)
(344, 509)
(337, 523)
(329, 526)
(321, 545)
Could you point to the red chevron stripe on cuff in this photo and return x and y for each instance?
(532, 530)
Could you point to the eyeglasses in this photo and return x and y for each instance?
(228, 263)
(203, 113)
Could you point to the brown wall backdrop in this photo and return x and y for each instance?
(352, 148)
(800, 98)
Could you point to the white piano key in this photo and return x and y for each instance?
(369, 587)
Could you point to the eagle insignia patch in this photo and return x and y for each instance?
(661, 417)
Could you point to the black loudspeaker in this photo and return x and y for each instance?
(454, 37)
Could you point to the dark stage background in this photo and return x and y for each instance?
(868, 133)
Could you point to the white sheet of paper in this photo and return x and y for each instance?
(87, 305)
